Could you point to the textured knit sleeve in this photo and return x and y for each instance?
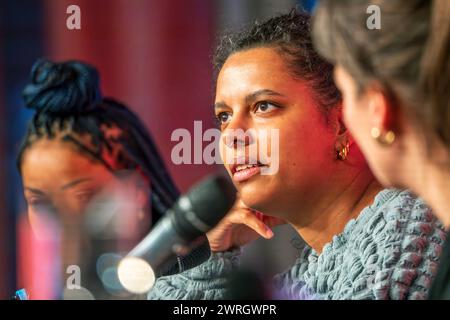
(206, 281)
(288, 285)
(411, 241)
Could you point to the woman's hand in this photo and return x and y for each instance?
(240, 226)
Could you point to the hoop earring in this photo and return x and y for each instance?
(343, 153)
(385, 140)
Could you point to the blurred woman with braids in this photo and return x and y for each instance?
(396, 88)
(89, 163)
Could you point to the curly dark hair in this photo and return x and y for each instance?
(290, 34)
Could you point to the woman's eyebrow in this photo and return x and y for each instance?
(37, 191)
(220, 105)
(74, 183)
(249, 99)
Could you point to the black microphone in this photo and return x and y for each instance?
(178, 242)
(200, 251)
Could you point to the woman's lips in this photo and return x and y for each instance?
(246, 174)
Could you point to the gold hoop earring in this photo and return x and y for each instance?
(385, 140)
(343, 153)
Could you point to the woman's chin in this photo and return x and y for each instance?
(256, 200)
(260, 193)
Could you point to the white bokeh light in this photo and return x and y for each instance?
(136, 275)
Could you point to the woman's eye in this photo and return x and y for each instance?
(223, 117)
(264, 107)
(36, 202)
(40, 205)
(84, 197)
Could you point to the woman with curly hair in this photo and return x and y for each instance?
(362, 241)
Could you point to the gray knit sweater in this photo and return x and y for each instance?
(390, 251)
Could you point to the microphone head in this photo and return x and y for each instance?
(204, 206)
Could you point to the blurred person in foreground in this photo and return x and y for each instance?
(395, 83)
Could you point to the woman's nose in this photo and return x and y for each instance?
(238, 133)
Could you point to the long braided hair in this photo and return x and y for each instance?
(68, 105)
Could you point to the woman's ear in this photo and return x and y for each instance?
(141, 189)
(381, 108)
(343, 138)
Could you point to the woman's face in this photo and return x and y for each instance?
(255, 90)
(62, 182)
